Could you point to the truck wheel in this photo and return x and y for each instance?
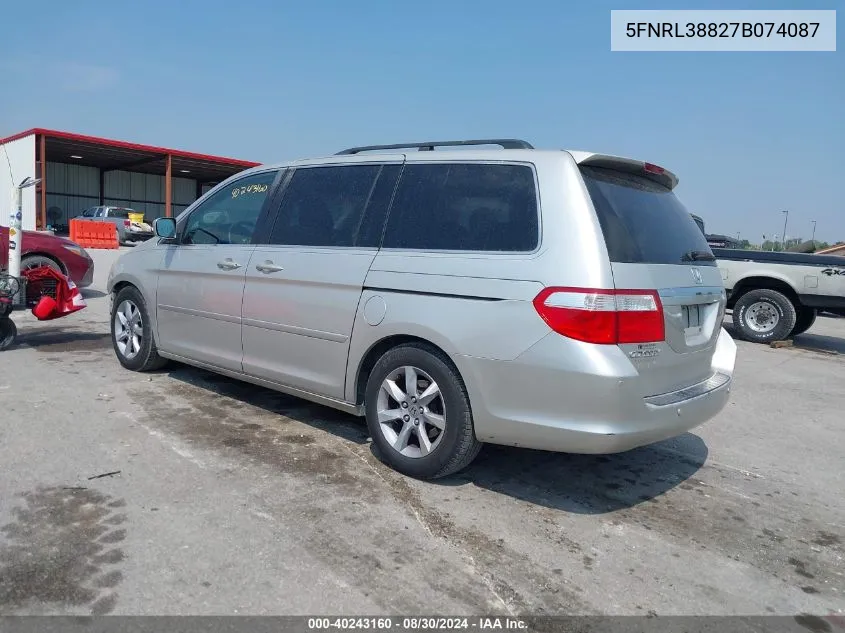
(418, 413)
(805, 320)
(764, 315)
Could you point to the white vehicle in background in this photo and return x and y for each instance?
(776, 296)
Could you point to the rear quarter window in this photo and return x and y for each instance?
(464, 207)
(643, 222)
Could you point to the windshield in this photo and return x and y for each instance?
(644, 222)
(120, 213)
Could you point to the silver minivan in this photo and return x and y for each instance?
(556, 300)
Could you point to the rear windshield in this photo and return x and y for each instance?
(644, 222)
(120, 213)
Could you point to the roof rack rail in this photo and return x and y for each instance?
(504, 143)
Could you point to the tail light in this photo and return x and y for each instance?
(653, 169)
(605, 317)
(127, 223)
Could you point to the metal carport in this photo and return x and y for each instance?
(79, 171)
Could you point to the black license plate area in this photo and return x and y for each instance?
(691, 316)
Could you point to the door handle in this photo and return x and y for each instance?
(228, 264)
(268, 267)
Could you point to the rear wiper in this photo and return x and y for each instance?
(698, 256)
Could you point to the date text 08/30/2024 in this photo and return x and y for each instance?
(417, 623)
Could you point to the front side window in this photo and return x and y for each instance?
(230, 215)
(465, 207)
(328, 206)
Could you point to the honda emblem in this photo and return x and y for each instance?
(696, 274)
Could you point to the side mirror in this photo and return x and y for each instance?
(165, 228)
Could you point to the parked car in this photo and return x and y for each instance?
(776, 296)
(127, 231)
(435, 294)
(45, 249)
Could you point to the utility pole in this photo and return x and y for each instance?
(814, 234)
(16, 232)
(785, 219)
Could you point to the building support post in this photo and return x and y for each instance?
(168, 188)
(43, 182)
(102, 187)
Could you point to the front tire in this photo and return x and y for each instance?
(37, 261)
(763, 316)
(805, 320)
(419, 414)
(131, 332)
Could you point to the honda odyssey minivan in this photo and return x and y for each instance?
(556, 300)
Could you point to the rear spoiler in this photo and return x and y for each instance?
(648, 170)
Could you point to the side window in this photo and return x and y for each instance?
(464, 207)
(89, 213)
(335, 206)
(229, 216)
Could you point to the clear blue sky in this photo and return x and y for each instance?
(749, 134)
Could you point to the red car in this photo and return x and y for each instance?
(43, 249)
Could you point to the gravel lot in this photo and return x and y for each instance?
(231, 499)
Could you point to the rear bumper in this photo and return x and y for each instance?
(589, 402)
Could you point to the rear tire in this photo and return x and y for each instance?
(8, 333)
(131, 332)
(393, 414)
(805, 320)
(763, 316)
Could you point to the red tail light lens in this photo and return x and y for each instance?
(605, 317)
(653, 169)
(127, 223)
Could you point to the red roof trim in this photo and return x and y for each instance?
(133, 146)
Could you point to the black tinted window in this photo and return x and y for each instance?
(644, 222)
(464, 207)
(229, 215)
(334, 206)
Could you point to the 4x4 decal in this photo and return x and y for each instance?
(833, 271)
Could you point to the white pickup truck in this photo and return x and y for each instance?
(775, 296)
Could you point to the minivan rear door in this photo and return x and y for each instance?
(654, 244)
